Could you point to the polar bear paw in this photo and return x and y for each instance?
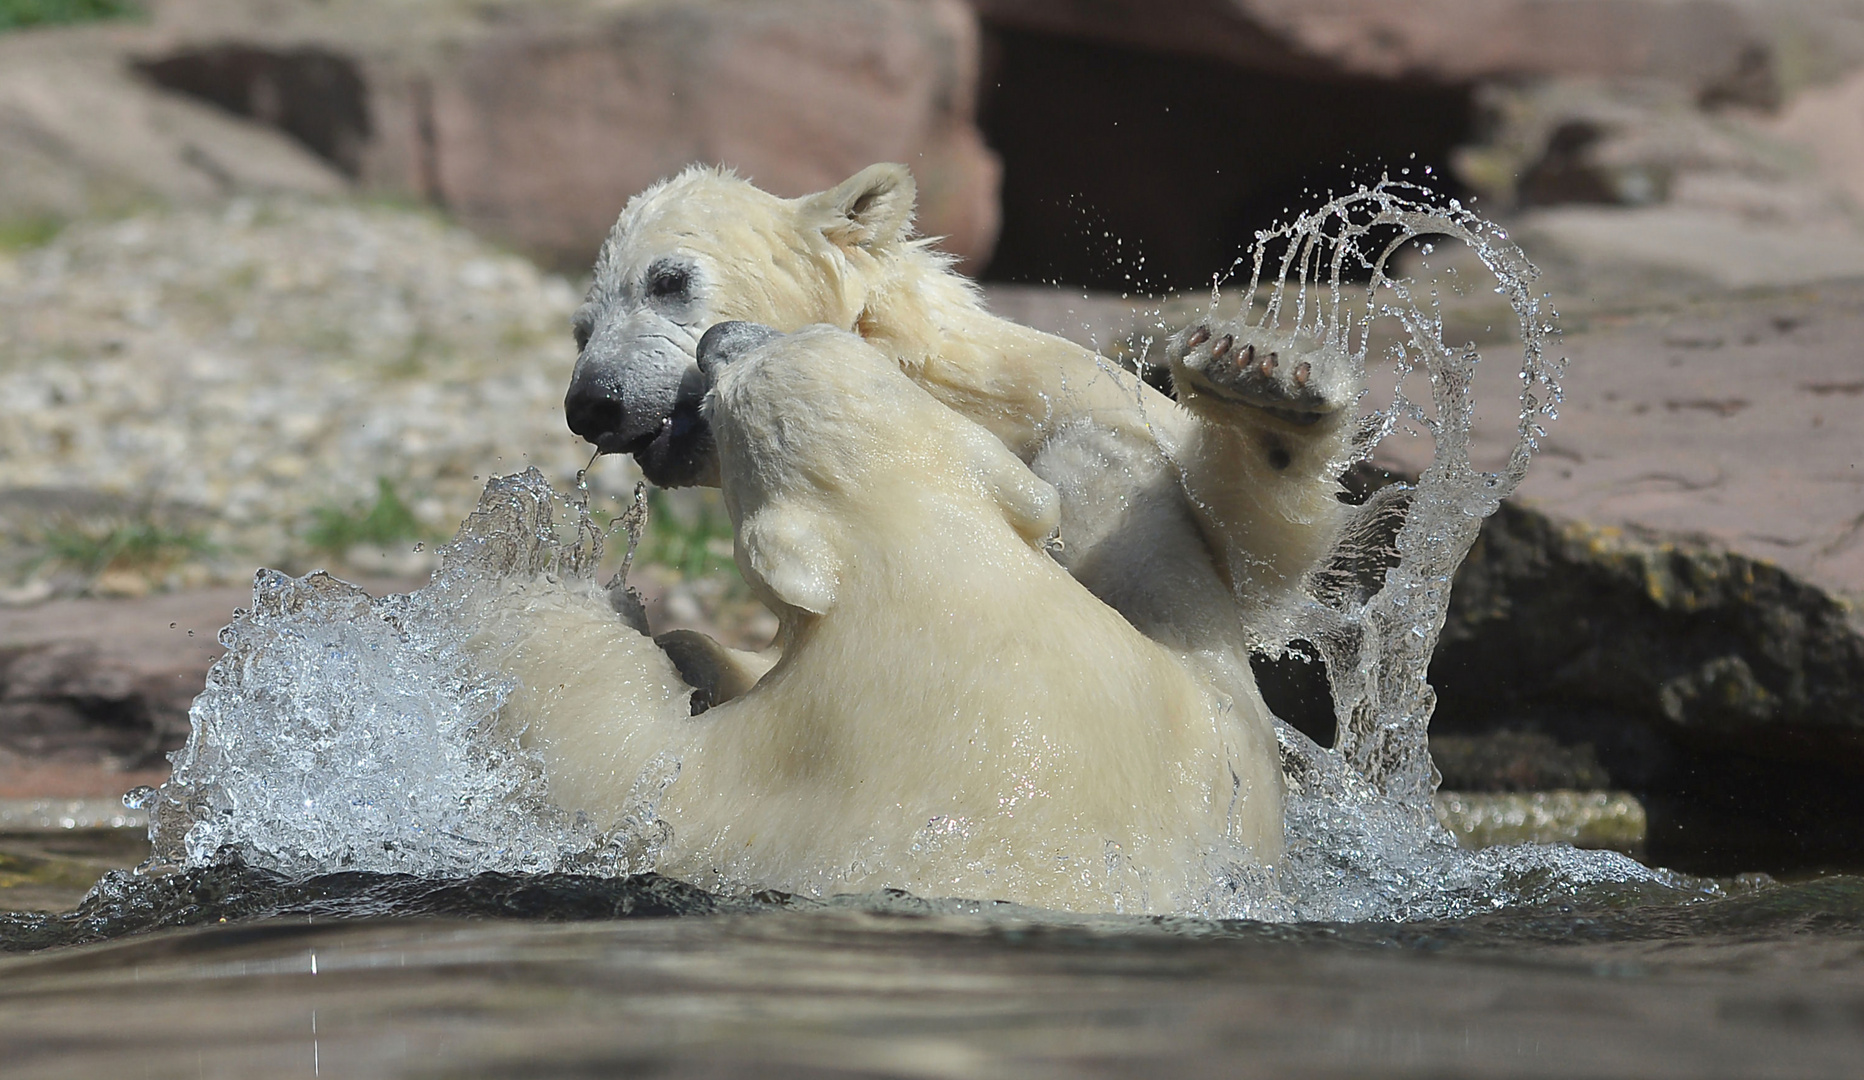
(1295, 378)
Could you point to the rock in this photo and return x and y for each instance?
(1575, 140)
(80, 133)
(95, 692)
(106, 682)
(1731, 419)
(1712, 647)
(1684, 246)
(1727, 693)
(1677, 580)
(1611, 820)
(1703, 44)
(1636, 179)
(533, 123)
(1829, 121)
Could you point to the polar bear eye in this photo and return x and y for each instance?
(668, 282)
(582, 328)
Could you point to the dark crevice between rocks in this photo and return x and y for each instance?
(1726, 694)
(1114, 155)
(316, 96)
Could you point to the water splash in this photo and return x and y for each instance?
(341, 732)
(1363, 839)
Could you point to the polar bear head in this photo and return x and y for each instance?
(832, 459)
(707, 247)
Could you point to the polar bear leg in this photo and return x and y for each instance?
(1128, 535)
(717, 673)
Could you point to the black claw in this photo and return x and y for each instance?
(1268, 363)
(1198, 337)
(1301, 372)
(1222, 346)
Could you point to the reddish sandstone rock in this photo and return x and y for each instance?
(93, 693)
(534, 123)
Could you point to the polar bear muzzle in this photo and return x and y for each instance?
(636, 390)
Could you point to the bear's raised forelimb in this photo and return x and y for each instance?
(1274, 420)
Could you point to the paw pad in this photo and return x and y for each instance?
(1295, 378)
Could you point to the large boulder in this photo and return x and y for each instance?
(80, 133)
(534, 123)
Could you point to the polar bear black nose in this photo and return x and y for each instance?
(727, 341)
(595, 412)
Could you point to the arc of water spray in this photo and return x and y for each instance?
(1377, 650)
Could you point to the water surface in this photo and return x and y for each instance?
(379, 975)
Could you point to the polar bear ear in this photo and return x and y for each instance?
(873, 208)
(789, 550)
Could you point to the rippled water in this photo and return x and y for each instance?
(501, 975)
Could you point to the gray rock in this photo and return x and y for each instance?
(1724, 691)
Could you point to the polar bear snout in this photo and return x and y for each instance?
(728, 342)
(636, 390)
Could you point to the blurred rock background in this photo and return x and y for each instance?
(281, 281)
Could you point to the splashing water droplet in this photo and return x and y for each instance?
(1363, 839)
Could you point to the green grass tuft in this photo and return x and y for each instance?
(695, 544)
(15, 14)
(388, 521)
(24, 234)
(132, 544)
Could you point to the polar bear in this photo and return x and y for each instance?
(1188, 517)
(952, 714)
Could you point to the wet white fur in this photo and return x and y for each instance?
(953, 714)
(1173, 515)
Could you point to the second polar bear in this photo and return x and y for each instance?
(953, 714)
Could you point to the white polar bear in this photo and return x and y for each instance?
(953, 714)
(1186, 518)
